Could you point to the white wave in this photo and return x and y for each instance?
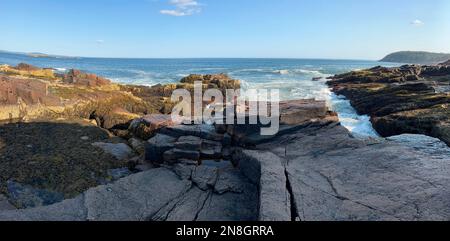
(250, 70)
(62, 70)
(282, 72)
(359, 125)
(206, 69)
(306, 71)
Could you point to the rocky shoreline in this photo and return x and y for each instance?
(149, 168)
(410, 99)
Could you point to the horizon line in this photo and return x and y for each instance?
(45, 55)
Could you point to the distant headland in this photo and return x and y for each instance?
(416, 57)
(40, 55)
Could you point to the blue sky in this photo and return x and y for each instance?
(341, 29)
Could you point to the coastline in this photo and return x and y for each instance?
(314, 169)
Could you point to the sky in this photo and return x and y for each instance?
(335, 29)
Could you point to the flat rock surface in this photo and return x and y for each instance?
(157, 194)
(336, 177)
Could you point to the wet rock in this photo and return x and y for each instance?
(120, 151)
(25, 196)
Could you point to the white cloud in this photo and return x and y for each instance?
(417, 23)
(182, 8)
(176, 13)
(100, 41)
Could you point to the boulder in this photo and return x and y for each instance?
(218, 81)
(203, 131)
(120, 151)
(29, 71)
(26, 67)
(147, 126)
(176, 155)
(296, 112)
(211, 150)
(77, 77)
(14, 90)
(190, 143)
(156, 146)
(137, 145)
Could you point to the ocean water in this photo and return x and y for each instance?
(293, 77)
